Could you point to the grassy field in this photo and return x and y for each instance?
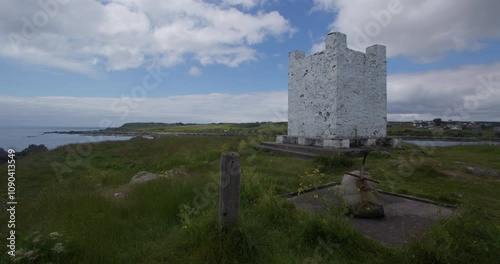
(70, 190)
(263, 128)
(280, 128)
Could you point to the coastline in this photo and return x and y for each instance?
(21, 137)
(96, 133)
(166, 134)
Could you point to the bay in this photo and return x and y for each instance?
(20, 137)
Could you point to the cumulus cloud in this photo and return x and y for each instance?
(200, 108)
(121, 34)
(424, 30)
(469, 92)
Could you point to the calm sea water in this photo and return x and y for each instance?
(20, 138)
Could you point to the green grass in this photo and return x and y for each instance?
(174, 220)
(263, 128)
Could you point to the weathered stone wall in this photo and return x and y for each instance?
(337, 93)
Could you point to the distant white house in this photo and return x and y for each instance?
(496, 129)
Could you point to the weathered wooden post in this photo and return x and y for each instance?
(229, 194)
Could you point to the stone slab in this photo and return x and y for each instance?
(308, 152)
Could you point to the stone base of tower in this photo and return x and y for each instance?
(340, 143)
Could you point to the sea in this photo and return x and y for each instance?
(20, 137)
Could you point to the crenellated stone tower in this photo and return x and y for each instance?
(337, 95)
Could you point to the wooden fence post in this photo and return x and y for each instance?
(229, 193)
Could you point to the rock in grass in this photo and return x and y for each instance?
(119, 195)
(361, 196)
(143, 177)
(478, 171)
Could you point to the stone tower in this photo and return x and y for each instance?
(337, 94)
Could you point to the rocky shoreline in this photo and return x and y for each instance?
(96, 133)
(32, 148)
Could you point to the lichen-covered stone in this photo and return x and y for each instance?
(142, 177)
(360, 196)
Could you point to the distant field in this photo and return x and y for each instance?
(280, 128)
(173, 220)
(265, 128)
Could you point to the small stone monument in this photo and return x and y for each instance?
(358, 191)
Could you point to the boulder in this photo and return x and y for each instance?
(143, 177)
(119, 195)
(360, 196)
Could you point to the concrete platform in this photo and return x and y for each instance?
(308, 152)
(406, 218)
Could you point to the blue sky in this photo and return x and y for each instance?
(83, 63)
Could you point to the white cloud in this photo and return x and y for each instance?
(317, 47)
(327, 5)
(201, 108)
(466, 93)
(244, 3)
(424, 30)
(195, 71)
(122, 34)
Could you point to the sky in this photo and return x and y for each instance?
(104, 63)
